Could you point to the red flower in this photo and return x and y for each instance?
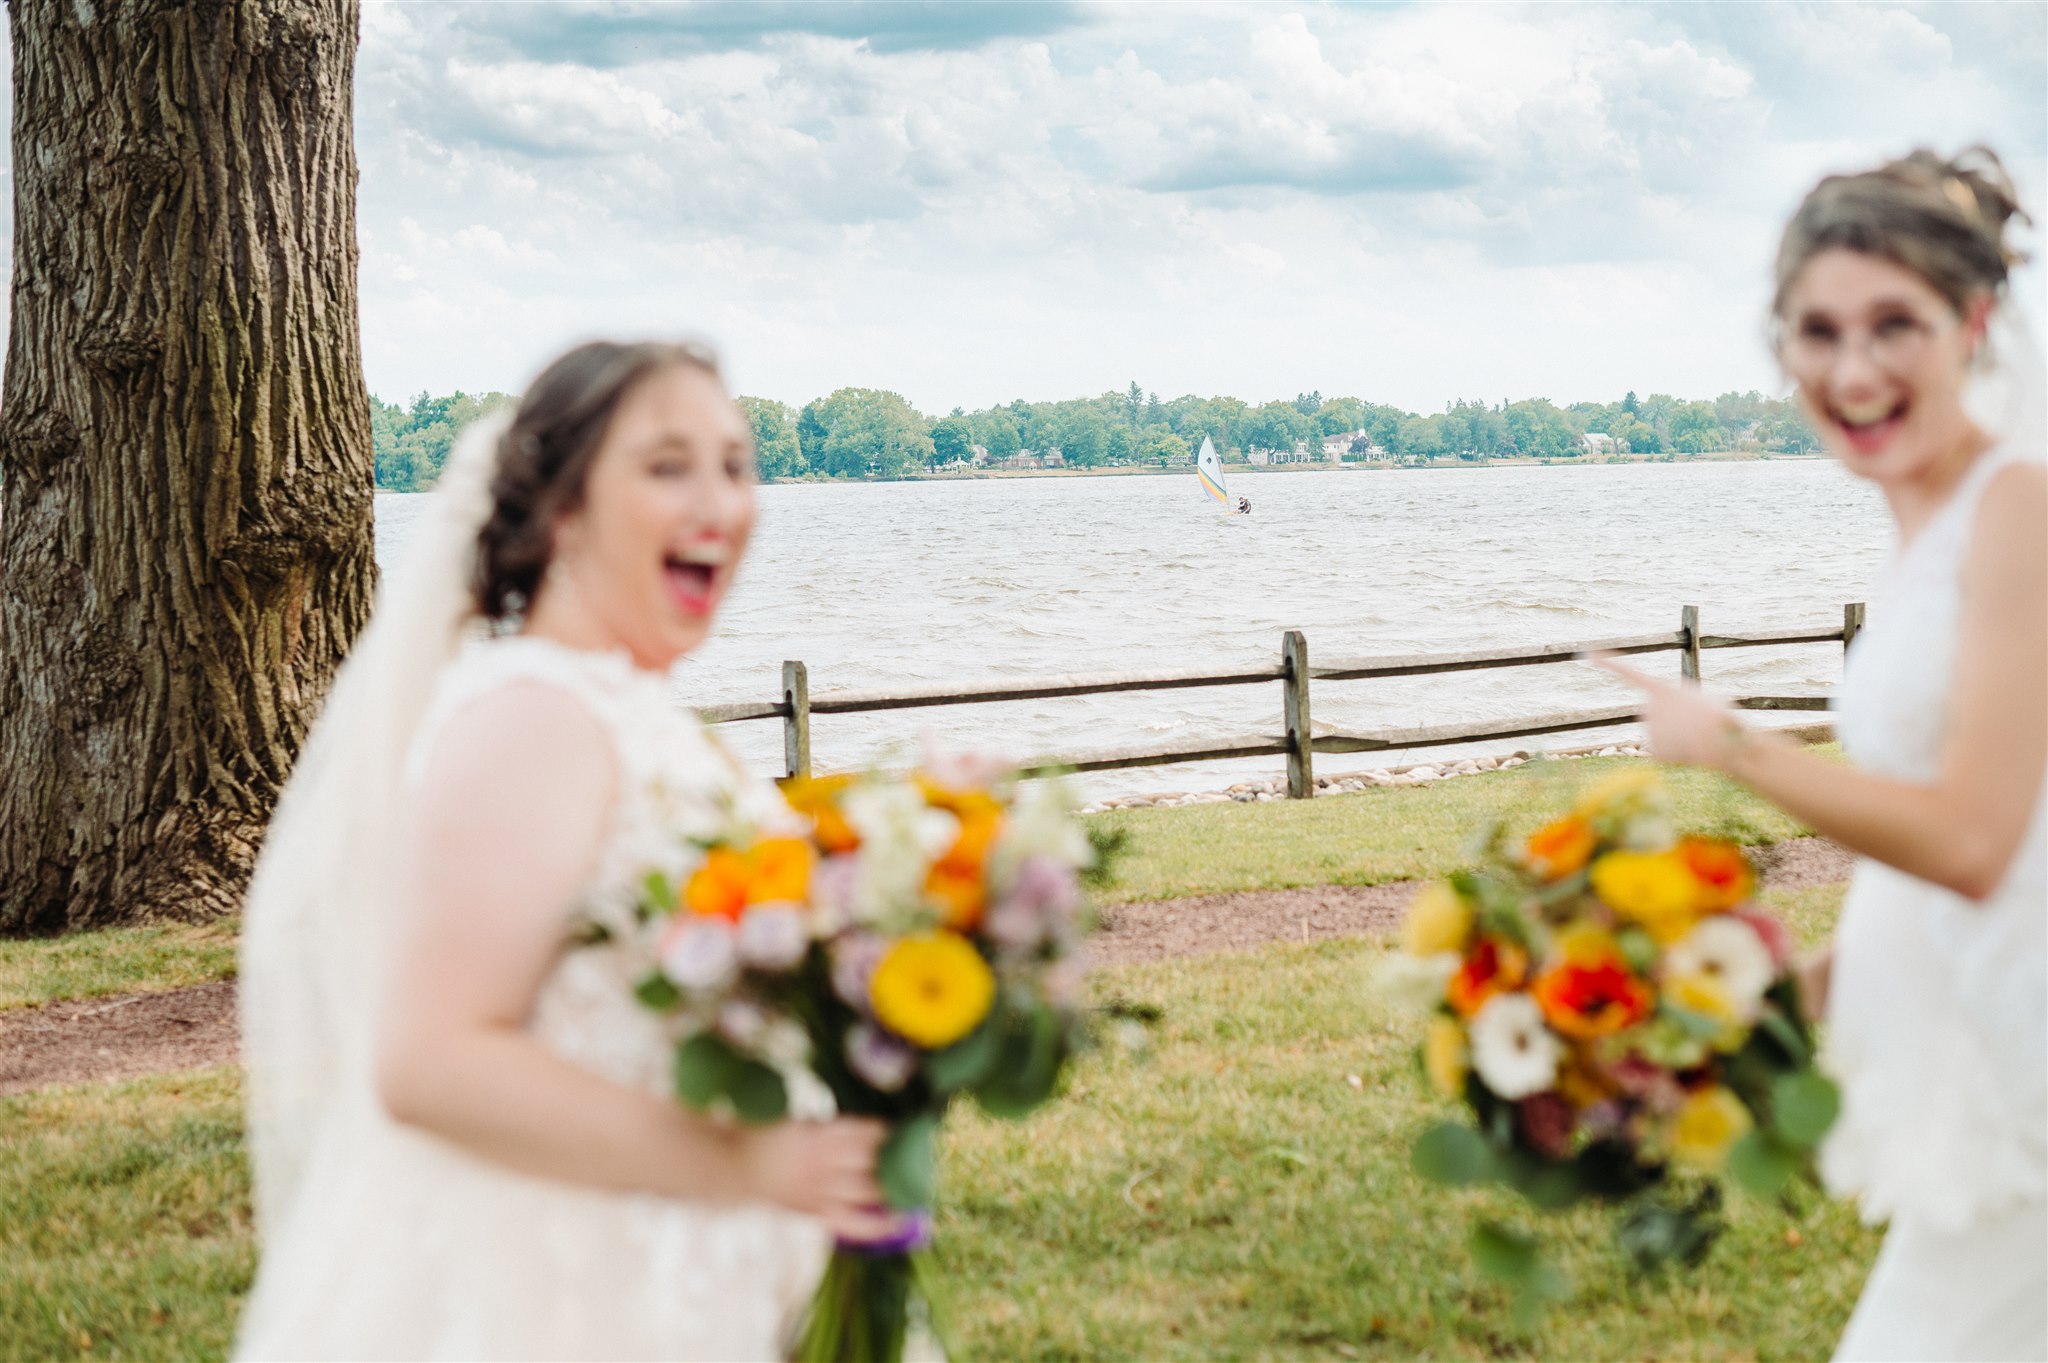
(1546, 1122)
(1491, 967)
(1591, 998)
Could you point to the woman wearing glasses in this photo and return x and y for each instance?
(1890, 286)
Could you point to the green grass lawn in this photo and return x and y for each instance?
(1396, 833)
(1242, 1191)
(91, 965)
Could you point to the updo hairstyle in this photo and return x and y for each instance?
(545, 455)
(1945, 219)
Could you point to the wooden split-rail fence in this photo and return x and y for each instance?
(1293, 672)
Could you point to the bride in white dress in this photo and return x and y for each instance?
(462, 1141)
(1936, 989)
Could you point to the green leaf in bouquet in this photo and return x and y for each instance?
(1547, 1184)
(1452, 1153)
(704, 1070)
(1779, 1025)
(1803, 1106)
(657, 992)
(759, 1095)
(1638, 948)
(1762, 1164)
(1654, 1234)
(908, 1165)
(966, 1062)
(657, 897)
(1513, 1259)
(1027, 1066)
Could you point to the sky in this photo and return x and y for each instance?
(973, 203)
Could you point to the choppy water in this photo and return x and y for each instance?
(915, 584)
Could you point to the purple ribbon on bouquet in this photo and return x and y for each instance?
(913, 1232)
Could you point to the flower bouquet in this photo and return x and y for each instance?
(1621, 1021)
(905, 941)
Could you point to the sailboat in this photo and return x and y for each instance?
(1209, 469)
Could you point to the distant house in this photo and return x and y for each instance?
(1346, 443)
(1024, 459)
(1594, 442)
(978, 455)
(1055, 459)
(1300, 454)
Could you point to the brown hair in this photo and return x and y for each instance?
(545, 455)
(1942, 218)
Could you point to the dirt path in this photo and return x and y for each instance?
(119, 1038)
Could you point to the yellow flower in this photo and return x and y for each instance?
(1630, 785)
(1703, 995)
(1444, 1056)
(932, 989)
(1708, 1122)
(1438, 920)
(1655, 889)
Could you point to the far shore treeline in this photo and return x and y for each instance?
(873, 433)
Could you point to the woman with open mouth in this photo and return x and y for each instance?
(1891, 287)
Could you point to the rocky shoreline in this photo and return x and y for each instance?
(1418, 774)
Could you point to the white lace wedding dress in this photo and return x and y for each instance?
(398, 1245)
(1938, 1015)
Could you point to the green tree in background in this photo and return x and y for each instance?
(412, 443)
(778, 453)
(952, 441)
(1694, 429)
(1162, 447)
(868, 433)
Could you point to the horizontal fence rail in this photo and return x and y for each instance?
(1297, 741)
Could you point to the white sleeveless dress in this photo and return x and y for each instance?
(403, 1246)
(1938, 1014)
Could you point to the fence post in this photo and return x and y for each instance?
(1301, 776)
(1852, 623)
(796, 725)
(1689, 660)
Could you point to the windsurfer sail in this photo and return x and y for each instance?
(1209, 469)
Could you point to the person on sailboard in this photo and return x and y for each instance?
(1244, 506)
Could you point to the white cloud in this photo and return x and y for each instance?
(973, 204)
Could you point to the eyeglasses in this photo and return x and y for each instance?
(1894, 344)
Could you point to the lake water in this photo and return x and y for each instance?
(885, 585)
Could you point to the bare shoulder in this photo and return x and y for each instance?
(526, 744)
(2012, 517)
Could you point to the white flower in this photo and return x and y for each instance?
(1729, 953)
(773, 936)
(1415, 983)
(1043, 823)
(894, 813)
(700, 955)
(1515, 1054)
(742, 1022)
(784, 1044)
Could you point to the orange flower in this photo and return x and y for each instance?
(959, 879)
(1721, 871)
(1493, 966)
(818, 797)
(779, 870)
(1559, 848)
(718, 888)
(1591, 992)
(773, 870)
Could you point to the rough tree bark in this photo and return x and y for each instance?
(185, 466)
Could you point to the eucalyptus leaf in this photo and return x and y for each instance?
(759, 1095)
(1803, 1106)
(908, 1165)
(656, 991)
(968, 1061)
(704, 1070)
(1760, 1164)
(1452, 1153)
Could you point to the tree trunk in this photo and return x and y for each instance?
(185, 466)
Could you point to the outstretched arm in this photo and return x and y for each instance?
(503, 831)
(1962, 829)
